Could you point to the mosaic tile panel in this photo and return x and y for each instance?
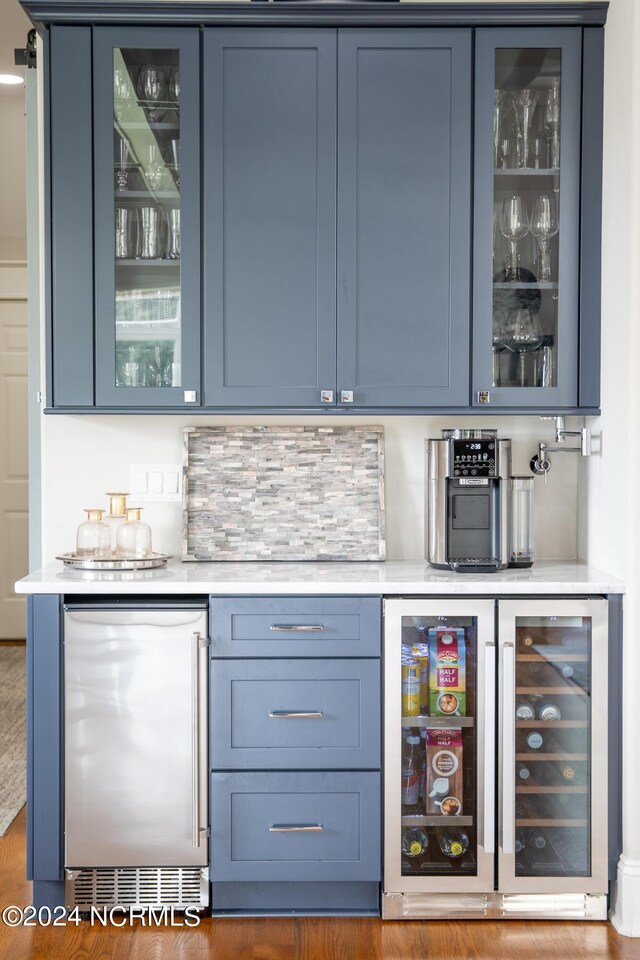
(283, 493)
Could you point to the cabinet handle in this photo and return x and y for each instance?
(190, 396)
(296, 828)
(326, 396)
(508, 746)
(195, 734)
(346, 396)
(296, 714)
(489, 747)
(298, 627)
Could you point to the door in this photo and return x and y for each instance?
(404, 163)
(135, 722)
(14, 483)
(553, 723)
(440, 729)
(526, 224)
(147, 216)
(269, 217)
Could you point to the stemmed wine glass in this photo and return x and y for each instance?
(152, 89)
(499, 112)
(514, 226)
(543, 226)
(522, 335)
(551, 122)
(524, 106)
(499, 335)
(124, 162)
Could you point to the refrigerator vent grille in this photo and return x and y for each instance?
(178, 887)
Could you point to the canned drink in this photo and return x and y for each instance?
(411, 689)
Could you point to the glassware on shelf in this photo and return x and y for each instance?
(499, 111)
(174, 85)
(154, 169)
(150, 233)
(124, 93)
(173, 236)
(539, 151)
(124, 232)
(514, 227)
(152, 89)
(544, 226)
(551, 122)
(134, 537)
(524, 104)
(174, 159)
(116, 515)
(93, 539)
(523, 335)
(505, 149)
(499, 334)
(124, 162)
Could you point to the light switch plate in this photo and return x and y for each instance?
(156, 482)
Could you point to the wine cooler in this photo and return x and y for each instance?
(496, 758)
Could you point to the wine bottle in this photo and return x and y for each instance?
(520, 841)
(414, 844)
(453, 843)
(523, 772)
(539, 841)
(410, 789)
(548, 711)
(524, 710)
(535, 740)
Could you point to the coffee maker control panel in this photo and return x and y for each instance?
(474, 458)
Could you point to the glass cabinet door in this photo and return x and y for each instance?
(527, 224)
(146, 221)
(554, 721)
(439, 771)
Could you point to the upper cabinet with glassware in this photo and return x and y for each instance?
(386, 219)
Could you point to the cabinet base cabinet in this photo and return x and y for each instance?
(304, 899)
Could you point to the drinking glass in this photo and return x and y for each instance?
(524, 105)
(150, 233)
(173, 239)
(522, 336)
(504, 152)
(499, 110)
(174, 84)
(551, 122)
(154, 168)
(152, 89)
(174, 159)
(514, 226)
(544, 226)
(124, 232)
(124, 162)
(538, 151)
(499, 334)
(123, 93)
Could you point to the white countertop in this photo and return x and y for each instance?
(393, 578)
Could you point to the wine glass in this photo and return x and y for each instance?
(524, 105)
(174, 84)
(522, 335)
(152, 89)
(551, 122)
(499, 334)
(124, 162)
(499, 110)
(543, 226)
(514, 226)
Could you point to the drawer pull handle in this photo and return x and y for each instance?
(296, 828)
(297, 714)
(298, 627)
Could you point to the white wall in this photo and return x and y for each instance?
(85, 456)
(608, 483)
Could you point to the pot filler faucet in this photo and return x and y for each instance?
(541, 464)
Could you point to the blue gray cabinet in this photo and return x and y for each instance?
(344, 261)
(295, 754)
(535, 336)
(404, 167)
(269, 142)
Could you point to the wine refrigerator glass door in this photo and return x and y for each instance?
(147, 217)
(526, 222)
(553, 763)
(439, 746)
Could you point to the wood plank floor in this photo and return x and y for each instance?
(298, 938)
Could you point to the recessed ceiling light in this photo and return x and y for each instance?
(10, 78)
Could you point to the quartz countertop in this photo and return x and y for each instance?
(391, 578)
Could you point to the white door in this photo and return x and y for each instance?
(13, 450)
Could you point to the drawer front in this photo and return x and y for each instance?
(295, 714)
(296, 626)
(284, 826)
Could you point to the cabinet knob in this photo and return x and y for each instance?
(326, 396)
(190, 396)
(483, 396)
(346, 396)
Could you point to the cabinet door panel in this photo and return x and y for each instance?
(147, 216)
(269, 173)
(526, 271)
(404, 217)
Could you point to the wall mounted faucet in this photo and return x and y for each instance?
(541, 464)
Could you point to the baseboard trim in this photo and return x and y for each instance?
(625, 908)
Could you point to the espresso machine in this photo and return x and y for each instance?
(468, 506)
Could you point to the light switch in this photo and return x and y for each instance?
(156, 481)
(140, 482)
(171, 483)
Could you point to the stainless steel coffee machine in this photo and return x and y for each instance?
(467, 515)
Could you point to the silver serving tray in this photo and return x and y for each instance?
(86, 563)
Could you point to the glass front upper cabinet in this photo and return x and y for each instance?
(146, 150)
(527, 224)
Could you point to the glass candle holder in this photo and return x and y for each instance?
(93, 539)
(133, 537)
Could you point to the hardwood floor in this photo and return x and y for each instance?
(297, 938)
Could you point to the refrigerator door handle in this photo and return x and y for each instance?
(489, 748)
(508, 746)
(195, 735)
